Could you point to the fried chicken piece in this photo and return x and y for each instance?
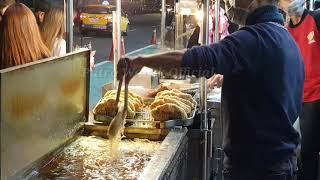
(178, 93)
(138, 101)
(153, 93)
(137, 97)
(108, 107)
(135, 102)
(131, 103)
(173, 100)
(156, 103)
(185, 102)
(168, 111)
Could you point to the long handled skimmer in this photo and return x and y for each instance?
(118, 121)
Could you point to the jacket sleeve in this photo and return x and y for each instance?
(231, 55)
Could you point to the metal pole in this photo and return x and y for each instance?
(217, 20)
(216, 39)
(204, 120)
(163, 21)
(116, 38)
(311, 6)
(203, 90)
(69, 25)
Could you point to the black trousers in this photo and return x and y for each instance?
(310, 140)
(285, 170)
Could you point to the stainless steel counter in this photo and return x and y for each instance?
(169, 162)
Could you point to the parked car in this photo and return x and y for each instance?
(99, 18)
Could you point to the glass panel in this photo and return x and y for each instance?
(42, 104)
(94, 31)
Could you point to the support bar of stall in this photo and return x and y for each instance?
(217, 20)
(203, 90)
(213, 149)
(69, 25)
(163, 21)
(216, 39)
(116, 38)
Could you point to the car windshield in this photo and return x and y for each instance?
(97, 10)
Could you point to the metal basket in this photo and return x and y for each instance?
(143, 119)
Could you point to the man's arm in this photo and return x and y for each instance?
(231, 55)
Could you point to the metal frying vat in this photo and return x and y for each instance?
(168, 162)
(44, 107)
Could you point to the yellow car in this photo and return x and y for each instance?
(99, 18)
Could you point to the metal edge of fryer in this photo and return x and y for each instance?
(163, 163)
(78, 130)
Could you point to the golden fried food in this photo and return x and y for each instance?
(131, 103)
(138, 101)
(153, 93)
(172, 104)
(168, 111)
(185, 102)
(107, 106)
(173, 100)
(156, 103)
(134, 102)
(137, 97)
(177, 93)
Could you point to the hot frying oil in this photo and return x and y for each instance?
(91, 158)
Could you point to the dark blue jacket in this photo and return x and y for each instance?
(262, 90)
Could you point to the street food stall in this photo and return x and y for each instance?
(47, 133)
(48, 130)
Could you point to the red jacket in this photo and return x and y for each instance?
(307, 35)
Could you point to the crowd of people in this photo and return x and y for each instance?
(26, 36)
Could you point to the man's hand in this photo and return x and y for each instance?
(215, 81)
(128, 67)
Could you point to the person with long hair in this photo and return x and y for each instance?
(52, 31)
(20, 39)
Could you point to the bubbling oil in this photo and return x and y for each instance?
(91, 158)
(115, 146)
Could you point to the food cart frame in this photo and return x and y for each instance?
(205, 127)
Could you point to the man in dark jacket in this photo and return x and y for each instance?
(262, 89)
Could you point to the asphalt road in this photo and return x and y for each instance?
(140, 33)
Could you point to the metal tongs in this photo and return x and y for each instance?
(118, 121)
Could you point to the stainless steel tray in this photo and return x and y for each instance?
(143, 119)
